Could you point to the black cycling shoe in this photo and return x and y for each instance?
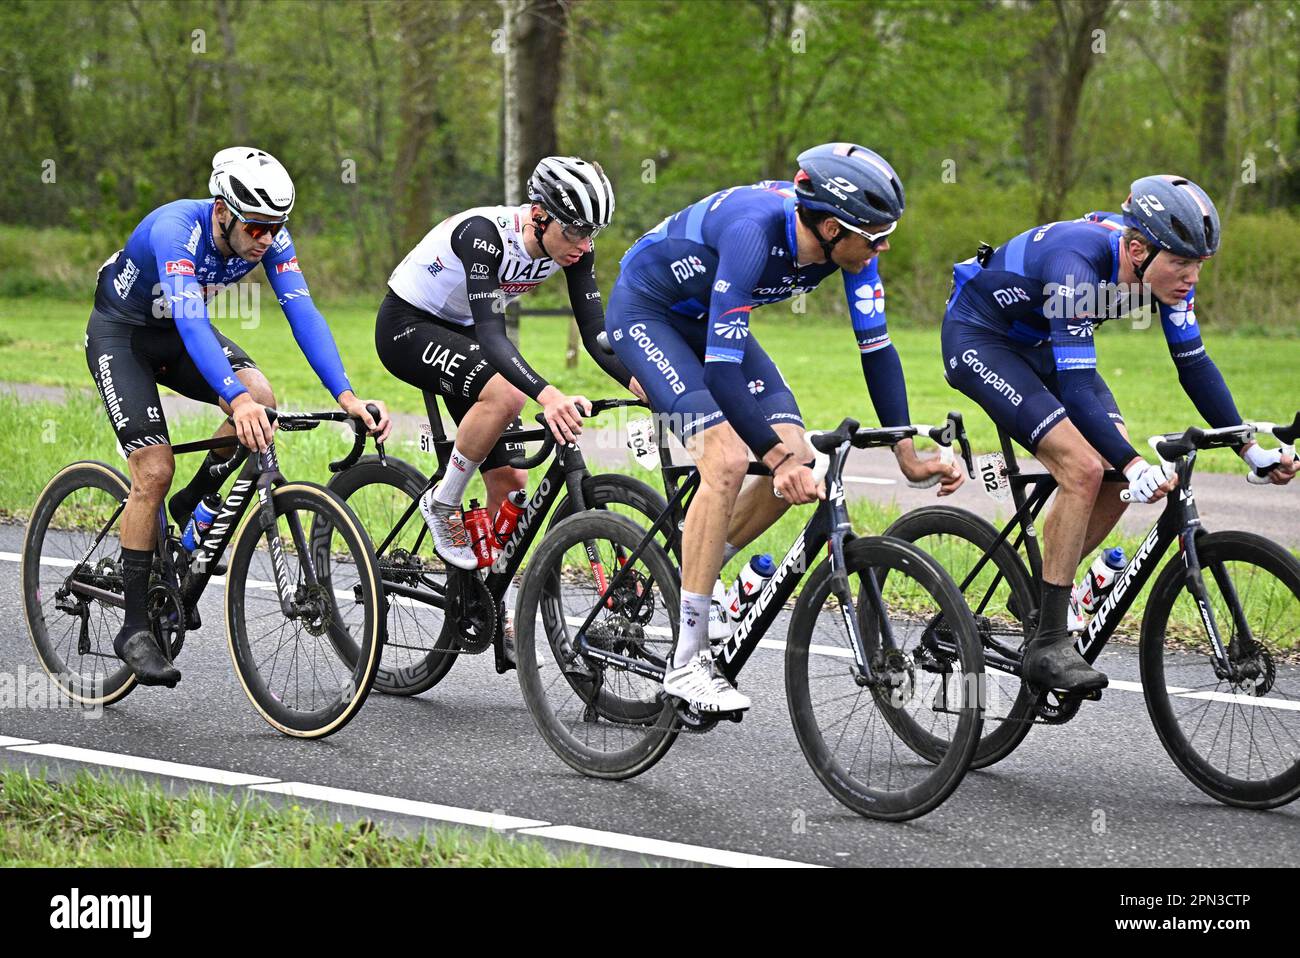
(141, 654)
(1052, 662)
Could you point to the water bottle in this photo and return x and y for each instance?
(1100, 578)
(200, 522)
(478, 525)
(753, 576)
(512, 507)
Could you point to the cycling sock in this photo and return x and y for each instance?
(1053, 608)
(135, 592)
(460, 468)
(729, 552)
(182, 505)
(693, 629)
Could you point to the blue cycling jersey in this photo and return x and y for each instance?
(170, 268)
(1057, 283)
(736, 249)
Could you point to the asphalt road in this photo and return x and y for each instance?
(1097, 791)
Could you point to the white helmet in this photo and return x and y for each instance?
(252, 183)
(575, 192)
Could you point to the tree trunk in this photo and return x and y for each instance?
(534, 33)
(1078, 20)
(234, 83)
(417, 99)
(1211, 62)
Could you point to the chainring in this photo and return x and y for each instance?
(472, 612)
(1058, 709)
(166, 618)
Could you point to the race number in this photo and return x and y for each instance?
(641, 440)
(426, 437)
(992, 470)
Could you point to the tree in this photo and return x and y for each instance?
(1079, 28)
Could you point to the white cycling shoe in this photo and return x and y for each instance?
(450, 539)
(719, 621)
(703, 687)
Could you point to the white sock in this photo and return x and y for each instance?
(693, 628)
(729, 552)
(460, 468)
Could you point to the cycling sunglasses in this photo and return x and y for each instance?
(875, 239)
(258, 228)
(576, 234)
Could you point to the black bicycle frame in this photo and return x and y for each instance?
(567, 469)
(261, 471)
(1179, 522)
(828, 524)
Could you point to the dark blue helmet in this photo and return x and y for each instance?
(1173, 214)
(850, 182)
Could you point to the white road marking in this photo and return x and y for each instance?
(400, 806)
(871, 480)
(1284, 704)
(430, 810)
(136, 763)
(660, 848)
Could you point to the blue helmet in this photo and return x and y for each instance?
(850, 182)
(1173, 214)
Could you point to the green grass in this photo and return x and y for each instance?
(102, 822)
(41, 341)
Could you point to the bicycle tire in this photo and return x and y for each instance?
(1212, 548)
(1000, 737)
(71, 682)
(866, 798)
(364, 649)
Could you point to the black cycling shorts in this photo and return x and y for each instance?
(128, 362)
(438, 357)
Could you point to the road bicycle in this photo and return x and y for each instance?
(303, 621)
(423, 641)
(597, 616)
(1219, 654)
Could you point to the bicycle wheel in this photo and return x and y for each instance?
(627, 496)
(604, 721)
(1001, 597)
(844, 727)
(417, 655)
(307, 674)
(1237, 737)
(72, 633)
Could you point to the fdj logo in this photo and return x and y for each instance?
(1009, 296)
(684, 269)
(839, 186)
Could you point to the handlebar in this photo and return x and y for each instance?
(301, 422)
(548, 441)
(1172, 446)
(952, 431)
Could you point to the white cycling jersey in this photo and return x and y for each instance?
(432, 277)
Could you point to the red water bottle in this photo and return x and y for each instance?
(512, 507)
(478, 526)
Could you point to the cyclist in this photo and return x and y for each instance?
(442, 328)
(679, 318)
(1018, 339)
(150, 325)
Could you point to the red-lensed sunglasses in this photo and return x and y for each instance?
(259, 228)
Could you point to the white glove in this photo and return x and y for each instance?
(1144, 480)
(1257, 457)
